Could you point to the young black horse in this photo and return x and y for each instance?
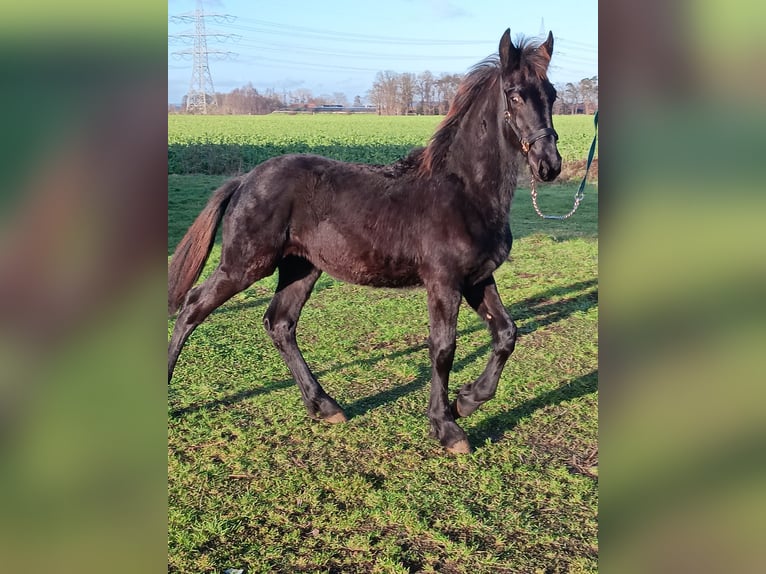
(437, 218)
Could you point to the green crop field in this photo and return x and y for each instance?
(236, 144)
(254, 484)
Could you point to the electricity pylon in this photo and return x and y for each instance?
(201, 95)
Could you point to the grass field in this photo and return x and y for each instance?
(254, 484)
(232, 144)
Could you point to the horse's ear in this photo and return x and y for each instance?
(546, 48)
(509, 54)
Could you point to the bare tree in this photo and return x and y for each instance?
(246, 100)
(393, 93)
(385, 92)
(406, 91)
(589, 94)
(578, 98)
(446, 88)
(424, 89)
(375, 97)
(572, 97)
(559, 106)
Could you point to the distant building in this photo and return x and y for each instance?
(340, 109)
(327, 109)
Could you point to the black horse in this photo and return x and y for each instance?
(437, 218)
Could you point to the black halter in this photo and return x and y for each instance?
(526, 141)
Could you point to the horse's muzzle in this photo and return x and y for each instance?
(545, 166)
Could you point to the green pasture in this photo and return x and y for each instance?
(254, 484)
(236, 144)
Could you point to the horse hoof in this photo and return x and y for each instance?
(339, 417)
(460, 447)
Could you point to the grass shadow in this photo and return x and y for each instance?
(232, 159)
(535, 312)
(540, 310)
(496, 427)
(423, 377)
(231, 399)
(324, 282)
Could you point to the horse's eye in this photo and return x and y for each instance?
(516, 99)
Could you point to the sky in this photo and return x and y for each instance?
(340, 45)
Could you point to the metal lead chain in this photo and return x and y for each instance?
(577, 199)
(580, 191)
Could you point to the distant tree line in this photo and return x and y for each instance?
(247, 100)
(579, 98)
(244, 100)
(408, 93)
(392, 93)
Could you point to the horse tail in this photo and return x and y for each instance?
(193, 250)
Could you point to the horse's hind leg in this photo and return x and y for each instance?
(485, 300)
(297, 277)
(200, 302)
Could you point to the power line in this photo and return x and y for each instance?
(575, 52)
(266, 27)
(266, 43)
(579, 45)
(263, 26)
(290, 48)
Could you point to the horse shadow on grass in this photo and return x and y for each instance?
(495, 428)
(323, 283)
(531, 314)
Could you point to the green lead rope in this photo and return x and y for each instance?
(581, 190)
(590, 154)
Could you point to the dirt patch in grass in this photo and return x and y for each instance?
(572, 171)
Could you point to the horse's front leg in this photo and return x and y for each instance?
(443, 306)
(485, 300)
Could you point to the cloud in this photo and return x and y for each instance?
(447, 9)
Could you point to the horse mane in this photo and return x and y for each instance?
(481, 79)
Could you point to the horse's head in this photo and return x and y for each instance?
(528, 99)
